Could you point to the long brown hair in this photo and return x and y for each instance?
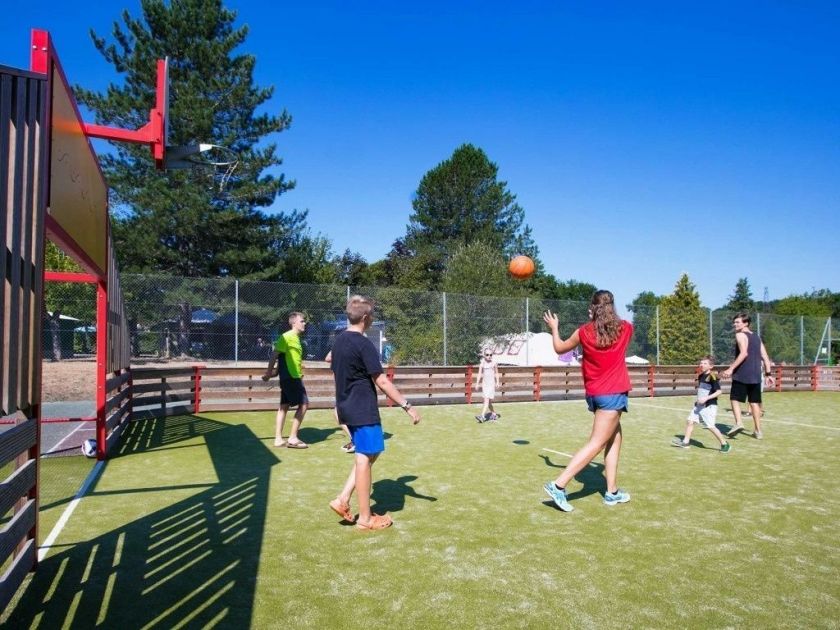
(604, 318)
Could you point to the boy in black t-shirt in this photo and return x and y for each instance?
(358, 372)
(705, 406)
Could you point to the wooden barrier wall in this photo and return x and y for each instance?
(23, 111)
(157, 392)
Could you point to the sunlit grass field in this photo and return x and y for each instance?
(200, 522)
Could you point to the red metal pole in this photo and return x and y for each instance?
(537, 382)
(101, 365)
(468, 384)
(815, 381)
(778, 378)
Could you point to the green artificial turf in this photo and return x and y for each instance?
(200, 522)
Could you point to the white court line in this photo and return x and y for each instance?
(68, 511)
(557, 452)
(763, 419)
(61, 441)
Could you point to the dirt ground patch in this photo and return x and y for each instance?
(75, 379)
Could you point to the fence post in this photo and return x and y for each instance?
(779, 378)
(538, 383)
(815, 381)
(657, 336)
(651, 379)
(197, 388)
(468, 384)
(444, 330)
(236, 322)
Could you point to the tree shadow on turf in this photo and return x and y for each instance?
(389, 494)
(592, 477)
(193, 563)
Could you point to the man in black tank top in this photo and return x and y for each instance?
(746, 374)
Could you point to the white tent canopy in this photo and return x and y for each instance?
(528, 349)
(532, 349)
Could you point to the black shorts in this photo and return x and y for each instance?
(742, 392)
(293, 393)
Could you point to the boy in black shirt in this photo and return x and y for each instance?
(705, 406)
(357, 371)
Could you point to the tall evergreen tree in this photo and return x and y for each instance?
(683, 325)
(458, 202)
(741, 299)
(185, 222)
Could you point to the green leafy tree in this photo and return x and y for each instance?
(476, 282)
(458, 202)
(643, 308)
(69, 299)
(683, 325)
(185, 222)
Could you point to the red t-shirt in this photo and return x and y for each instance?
(604, 369)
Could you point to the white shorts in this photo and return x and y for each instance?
(488, 392)
(703, 415)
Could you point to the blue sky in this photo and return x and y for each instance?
(643, 139)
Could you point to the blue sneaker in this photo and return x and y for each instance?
(614, 498)
(558, 496)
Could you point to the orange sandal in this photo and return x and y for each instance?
(376, 522)
(342, 509)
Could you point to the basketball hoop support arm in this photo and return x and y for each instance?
(150, 133)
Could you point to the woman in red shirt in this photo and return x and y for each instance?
(604, 340)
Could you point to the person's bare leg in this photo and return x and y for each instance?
(296, 422)
(736, 411)
(604, 426)
(349, 486)
(717, 434)
(364, 463)
(689, 429)
(279, 423)
(612, 450)
(755, 408)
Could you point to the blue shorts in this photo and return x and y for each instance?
(368, 438)
(610, 402)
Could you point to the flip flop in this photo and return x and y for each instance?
(297, 445)
(342, 509)
(376, 522)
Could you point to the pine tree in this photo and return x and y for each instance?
(187, 222)
(741, 299)
(683, 325)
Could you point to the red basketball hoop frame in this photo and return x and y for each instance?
(155, 132)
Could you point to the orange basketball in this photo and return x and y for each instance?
(521, 267)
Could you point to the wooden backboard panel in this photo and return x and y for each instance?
(78, 202)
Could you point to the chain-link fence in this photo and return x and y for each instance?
(237, 320)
